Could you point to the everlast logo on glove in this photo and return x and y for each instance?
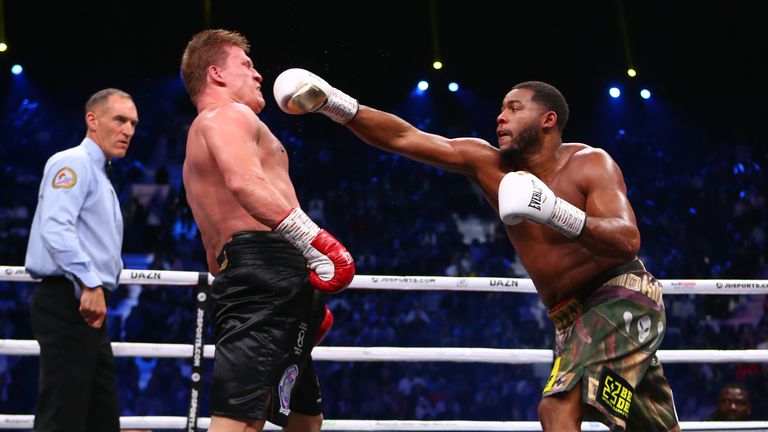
(535, 196)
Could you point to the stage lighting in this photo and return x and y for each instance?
(631, 72)
(614, 92)
(437, 65)
(17, 69)
(423, 85)
(3, 46)
(645, 94)
(453, 86)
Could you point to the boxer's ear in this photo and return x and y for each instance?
(214, 73)
(549, 119)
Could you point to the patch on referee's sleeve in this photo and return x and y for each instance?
(615, 393)
(66, 178)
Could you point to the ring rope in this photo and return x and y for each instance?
(409, 354)
(25, 421)
(427, 283)
(415, 283)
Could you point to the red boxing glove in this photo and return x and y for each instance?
(325, 326)
(331, 266)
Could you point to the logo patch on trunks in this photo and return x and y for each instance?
(285, 387)
(615, 393)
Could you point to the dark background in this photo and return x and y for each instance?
(702, 58)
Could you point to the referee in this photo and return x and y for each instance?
(74, 247)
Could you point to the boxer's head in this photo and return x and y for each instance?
(529, 110)
(219, 58)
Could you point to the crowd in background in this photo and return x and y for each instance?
(700, 202)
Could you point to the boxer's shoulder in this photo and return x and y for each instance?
(227, 112)
(583, 153)
(476, 152)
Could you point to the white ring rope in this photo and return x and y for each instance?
(414, 283)
(379, 354)
(170, 422)
(428, 283)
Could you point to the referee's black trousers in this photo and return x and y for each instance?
(77, 390)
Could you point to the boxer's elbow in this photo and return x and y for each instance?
(611, 238)
(628, 245)
(236, 185)
(245, 184)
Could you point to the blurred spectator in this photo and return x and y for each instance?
(733, 403)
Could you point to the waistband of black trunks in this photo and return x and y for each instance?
(249, 236)
(563, 314)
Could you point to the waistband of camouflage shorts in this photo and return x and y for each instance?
(565, 313)
(645, 284)
(608, 275)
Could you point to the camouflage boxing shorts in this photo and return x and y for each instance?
(608, 339)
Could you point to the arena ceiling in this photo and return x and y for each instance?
(682, 50)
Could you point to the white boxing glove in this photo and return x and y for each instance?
(522, 195)
(299, 91)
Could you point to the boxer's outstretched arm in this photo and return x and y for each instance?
(393, 134)
(298, 91)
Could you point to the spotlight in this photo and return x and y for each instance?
(3, 46)
(645, 94)
(453, 86)
(17, 69)
(614, 92)
(437, 65)
(423, 85)
(631, 72)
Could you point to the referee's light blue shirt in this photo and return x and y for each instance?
(78, 228)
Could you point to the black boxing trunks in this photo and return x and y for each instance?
(265, 316)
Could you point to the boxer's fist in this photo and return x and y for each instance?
(523, 196)
(331, 266)
(299, 91)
